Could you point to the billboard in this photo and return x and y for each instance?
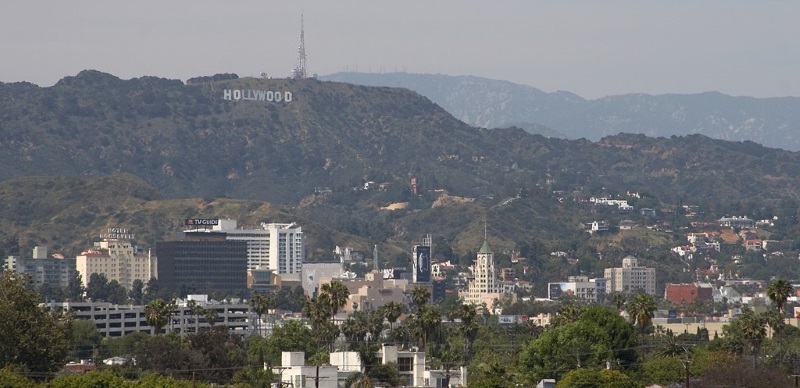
(422, 264)
(557, 290)
(506, 319)
(201, 222)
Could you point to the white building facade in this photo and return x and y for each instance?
(278, 247)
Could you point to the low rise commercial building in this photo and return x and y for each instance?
(113, 320)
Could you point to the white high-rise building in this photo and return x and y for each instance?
(630, 277)
(485, 286)
(279, 247)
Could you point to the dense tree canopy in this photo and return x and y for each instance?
(100, 289)
(31, 337)
(580, 344)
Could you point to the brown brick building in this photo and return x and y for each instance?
(688, 292)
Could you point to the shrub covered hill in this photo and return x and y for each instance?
(315, 153)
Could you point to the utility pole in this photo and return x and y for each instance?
(686, 367)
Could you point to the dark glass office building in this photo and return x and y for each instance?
(206, 265)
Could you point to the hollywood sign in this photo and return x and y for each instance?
(256, 95)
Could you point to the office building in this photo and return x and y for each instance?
(203, 262)
(274, 246)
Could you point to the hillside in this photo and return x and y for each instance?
(335, 155)
(67, 214)
(188, 141)
(773, 122)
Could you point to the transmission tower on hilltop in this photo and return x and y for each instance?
(375, 265)
(300, 70)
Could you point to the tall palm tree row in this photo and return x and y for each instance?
(321, 308)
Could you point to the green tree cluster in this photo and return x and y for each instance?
(32, 338)
(99, 289)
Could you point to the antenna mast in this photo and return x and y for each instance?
(375, 259)
(300, 70)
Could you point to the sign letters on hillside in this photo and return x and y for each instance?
(256, 95)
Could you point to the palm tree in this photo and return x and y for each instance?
(261, 304)
(670, 347)
(211, 316)
(426, 324)
(392, 312)
(319, 310)
(355, 328)
(468, 329)
(195, 310)
(420, 296)
(641, 309)
(158, 314)
(337, 295)
(752, 328)
(568, 314)
(779, 291)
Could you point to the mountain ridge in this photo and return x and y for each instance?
(492, 103)
(188, 140)
(335, 156)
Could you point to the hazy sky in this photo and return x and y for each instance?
(592, 48)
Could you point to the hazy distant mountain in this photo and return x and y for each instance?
(773, 122)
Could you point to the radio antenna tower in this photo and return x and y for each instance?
(375, 266)
(300, 70)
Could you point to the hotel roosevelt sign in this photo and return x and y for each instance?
(256, 95)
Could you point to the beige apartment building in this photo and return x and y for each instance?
(117, 259)
(630, 277)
